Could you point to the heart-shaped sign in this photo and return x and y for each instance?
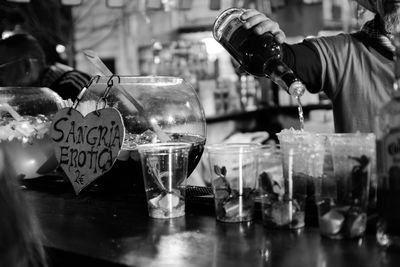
(86, 147)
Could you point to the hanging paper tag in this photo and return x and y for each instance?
(86, 147)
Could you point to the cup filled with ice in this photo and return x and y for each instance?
(234, 172)
(344, 190)
(302, 158)
(164, 167)
(25, 119)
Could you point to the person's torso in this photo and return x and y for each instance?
(357, 75)
(64, 80)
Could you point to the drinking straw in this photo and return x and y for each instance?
(99, 64)
(290, 183)
(240, 182)
(11, 110)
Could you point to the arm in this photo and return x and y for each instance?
(302, 58)
(70, 84)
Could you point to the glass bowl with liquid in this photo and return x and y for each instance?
(25, 118)
(154, 109)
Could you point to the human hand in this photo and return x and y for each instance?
(261, 24)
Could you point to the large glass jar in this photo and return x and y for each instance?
(167, 110)
(25, 146)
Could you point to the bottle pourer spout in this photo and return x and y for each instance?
(297, 89)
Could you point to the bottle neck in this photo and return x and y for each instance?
(276, 70)
(396, 83)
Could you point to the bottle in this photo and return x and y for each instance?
(387, 130)
(259, 55)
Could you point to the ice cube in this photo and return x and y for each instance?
(154, 201)
(331, 222)
(146, 137)
(233, 209)
(168, 201)
(25, 130)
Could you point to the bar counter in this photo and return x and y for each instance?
(104, 229)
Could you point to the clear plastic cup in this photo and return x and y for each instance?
(164, 167)
(303, 161)
(344, 190)
(234, 178)
(270, 185)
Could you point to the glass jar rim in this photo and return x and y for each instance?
(158, 147)
(164, 80)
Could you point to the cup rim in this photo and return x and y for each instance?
(271, 146)
(294, 132)
(291, 136)
(350, 139)
(233, 147)
(357, 134)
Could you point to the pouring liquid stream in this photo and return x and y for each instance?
(301, 113)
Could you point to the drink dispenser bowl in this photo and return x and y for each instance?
(154, 109)
(26, 150)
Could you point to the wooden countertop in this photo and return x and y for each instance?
(105, 229)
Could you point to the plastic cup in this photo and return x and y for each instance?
(233, 179)
(270, 185)
(164, 167)
(303, 161)
(344, 190)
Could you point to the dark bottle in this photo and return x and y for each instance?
(259, 55)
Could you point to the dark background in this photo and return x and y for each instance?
(47, 20)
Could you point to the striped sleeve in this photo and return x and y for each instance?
(70, 84)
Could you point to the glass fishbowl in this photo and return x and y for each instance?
(25, 118)
(154, 109)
